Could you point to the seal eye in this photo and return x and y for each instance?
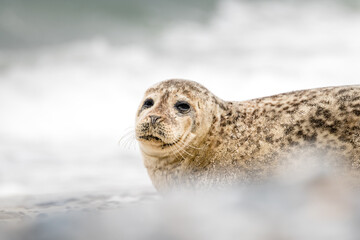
(148, 103)
(182, 107)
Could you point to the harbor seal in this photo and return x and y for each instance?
(190, 137)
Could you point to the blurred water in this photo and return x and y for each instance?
(73, 73)
(37, 22)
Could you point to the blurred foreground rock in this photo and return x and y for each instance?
(317, 206)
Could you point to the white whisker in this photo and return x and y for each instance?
(127, 140)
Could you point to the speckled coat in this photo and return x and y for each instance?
(248, 140)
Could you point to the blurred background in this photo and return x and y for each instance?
(72, 74)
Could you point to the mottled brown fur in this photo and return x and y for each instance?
(248, 140)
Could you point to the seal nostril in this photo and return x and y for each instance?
(153, 119)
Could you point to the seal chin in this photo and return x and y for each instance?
(155, 146)
(155, 141)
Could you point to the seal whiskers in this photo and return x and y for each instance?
(128, 139)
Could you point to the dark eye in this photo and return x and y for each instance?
(182, 106)
(148, 103)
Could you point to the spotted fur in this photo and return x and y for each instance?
(250, 139)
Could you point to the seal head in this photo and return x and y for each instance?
(170, 117)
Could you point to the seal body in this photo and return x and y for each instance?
(190, 137)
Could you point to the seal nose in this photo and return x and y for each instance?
(153, 119)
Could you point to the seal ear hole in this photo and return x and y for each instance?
(182, 106)
(148, 103)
